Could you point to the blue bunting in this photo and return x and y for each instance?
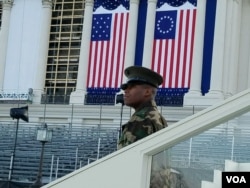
(111, 4)
(175, 3)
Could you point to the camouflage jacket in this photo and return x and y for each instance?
(145, 121)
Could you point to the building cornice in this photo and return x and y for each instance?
(89, 3)
(47, 2)
(8, 2)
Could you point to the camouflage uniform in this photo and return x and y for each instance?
(145, 121)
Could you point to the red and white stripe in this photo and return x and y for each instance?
(106, 58)
(173, 58)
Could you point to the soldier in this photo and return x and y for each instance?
(139, 93)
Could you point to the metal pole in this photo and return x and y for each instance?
(72, 114)
(45, 106)
(51, 168)
(98, 148)
(11, 164)
(232, 149)
(14, 152)
(190, 152)
(76, 158)
(57, 166)
(81, 164)
(100, 114)
(120, 131)
(38, 182)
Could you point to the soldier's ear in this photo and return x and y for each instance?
(148, 91)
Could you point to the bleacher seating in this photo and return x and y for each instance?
(76, 146)
(200, 157)
(77, 131)
(70, 149)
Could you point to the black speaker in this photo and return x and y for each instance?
(119, 99)
(20, 113)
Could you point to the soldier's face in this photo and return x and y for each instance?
(135, 95)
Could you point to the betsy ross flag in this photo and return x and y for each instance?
(107, 49)
(173, 46)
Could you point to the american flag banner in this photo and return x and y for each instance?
(107, 48)
(173, 45)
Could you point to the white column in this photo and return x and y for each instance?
(131, 36)
(77, 97)
(232, 49)
(43, 51)
(227, 55)
(194, 97)
(149, 34)
(4, 33)
(245, 19)
(248, 80)
(248, 75)
(243, 81)
(215, 93)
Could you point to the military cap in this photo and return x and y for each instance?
(141, 75)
